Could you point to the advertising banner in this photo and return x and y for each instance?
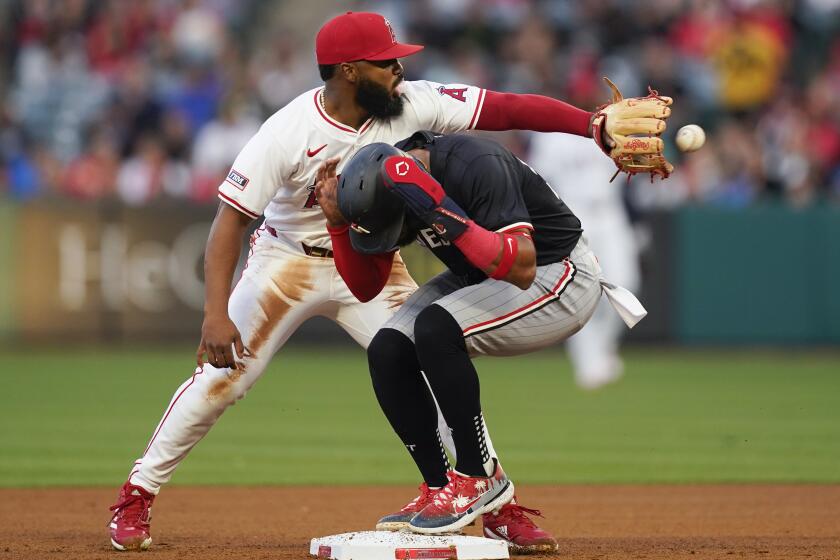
(109, 272)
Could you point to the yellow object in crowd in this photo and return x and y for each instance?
(749, 59)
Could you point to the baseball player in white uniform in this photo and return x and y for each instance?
(290, 274)
(594, 350)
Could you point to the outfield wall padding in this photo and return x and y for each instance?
(107, 272)
(767, 274)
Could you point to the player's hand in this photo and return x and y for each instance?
(326, 187)
(219, 339)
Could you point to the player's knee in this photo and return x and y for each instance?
(436, 330)
(389, 354)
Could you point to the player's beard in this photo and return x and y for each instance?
(377, 100)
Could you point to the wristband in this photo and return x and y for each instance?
(510, 247)
(337, 230)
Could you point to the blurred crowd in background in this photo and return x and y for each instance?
(139, 100)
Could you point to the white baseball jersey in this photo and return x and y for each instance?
(274, 173)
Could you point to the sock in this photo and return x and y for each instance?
(447, 365)
(407, 403)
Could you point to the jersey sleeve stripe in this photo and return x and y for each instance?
(478, 106)
(515, 226)
(238, 206)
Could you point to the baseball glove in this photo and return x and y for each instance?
(628, 131)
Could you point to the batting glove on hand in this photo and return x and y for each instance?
(424, 197)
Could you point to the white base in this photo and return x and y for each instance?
(386, 545)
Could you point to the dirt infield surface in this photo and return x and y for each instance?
(591, 522)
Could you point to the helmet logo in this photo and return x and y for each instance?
(359, 229)
(401, 168)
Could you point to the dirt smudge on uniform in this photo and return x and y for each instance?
(400, 284)
(222, 386)
(287, 288)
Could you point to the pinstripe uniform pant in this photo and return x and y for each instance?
(499, 319)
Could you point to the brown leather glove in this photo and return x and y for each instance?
(628, 131)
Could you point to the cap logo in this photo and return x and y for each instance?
(401, 168)
(359, 229)
(391, 30)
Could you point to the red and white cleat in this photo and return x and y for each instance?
(462, 500)
(509, 523)
(130, 526)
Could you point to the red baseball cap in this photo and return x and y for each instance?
(359, 36)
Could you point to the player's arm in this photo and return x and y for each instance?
(513, 111)
(508, 256)
(365, 275)
(458, 107)
(219, 336)
(524, 268)
(627, 130)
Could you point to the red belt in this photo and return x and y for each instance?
(310, 251)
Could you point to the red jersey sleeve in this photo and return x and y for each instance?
(512, 111)
(365, 275)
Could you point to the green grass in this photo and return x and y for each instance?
(82, 417)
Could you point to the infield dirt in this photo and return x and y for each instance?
(591, 522)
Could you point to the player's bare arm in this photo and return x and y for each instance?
(219, 336)
(524, 268)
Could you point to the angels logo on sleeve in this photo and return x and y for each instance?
(459, 94)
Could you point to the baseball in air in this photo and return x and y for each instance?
(690, 138)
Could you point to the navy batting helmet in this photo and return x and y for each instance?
(375, 213)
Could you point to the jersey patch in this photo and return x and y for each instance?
(237, 179)
(459, 94)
